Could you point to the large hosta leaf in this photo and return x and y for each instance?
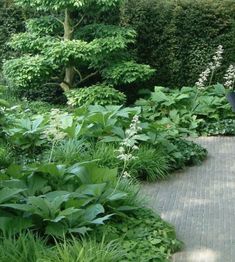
(93, 211)
(7, 194)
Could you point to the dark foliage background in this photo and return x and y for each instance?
(11, 21)
(178, 37)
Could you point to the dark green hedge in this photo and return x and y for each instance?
(11, 21)
(178, 37)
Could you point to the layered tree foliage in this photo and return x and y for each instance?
(62, 47)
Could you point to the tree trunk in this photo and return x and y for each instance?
(69, 70)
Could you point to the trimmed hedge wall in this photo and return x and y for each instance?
(11, 21)
(178, 37)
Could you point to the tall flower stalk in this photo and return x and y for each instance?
(129, 145)
(230, 77)
(53, 131)
(216, 62)
(208, 74)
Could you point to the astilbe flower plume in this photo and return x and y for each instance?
(230, 77)
(53, 131)
(129, 144)
(211, 68)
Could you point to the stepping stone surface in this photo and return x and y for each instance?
(200, 203)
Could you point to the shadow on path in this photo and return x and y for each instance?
(200, 203)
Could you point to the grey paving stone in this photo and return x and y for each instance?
(200, 203)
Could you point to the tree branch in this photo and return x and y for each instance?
(56, 18)
(51, 84)
(88, 77)
(78, 72)
(78, 23)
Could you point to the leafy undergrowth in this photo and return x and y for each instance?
(144, 237)
(188, 153)
(189, 111)
(30, 248)
(224, 127)
(141, 237)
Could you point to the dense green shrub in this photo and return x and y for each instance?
(187, 110)
(98, 94)
(177, 38)
(5, 155)
(11, 21)
(143, 237)
(55, 199)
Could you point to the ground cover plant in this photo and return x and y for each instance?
(188, 111)
(69, 178)
(70, 174)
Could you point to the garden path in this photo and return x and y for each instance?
(200, 203)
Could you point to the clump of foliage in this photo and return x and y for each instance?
(5, 155)
(98, 94)
(187, 110)
(222, 127)
(185, 153)
(28, 247)
(58, 199)
(144, 237)
(61, 50)
(71, 151)
(150, 164)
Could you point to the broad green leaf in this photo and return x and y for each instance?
(117, 196)
(92, 189)
(93, 211)
(100, 221)
(80, 230)
(64, 214)
(7, 194)
(20, 207)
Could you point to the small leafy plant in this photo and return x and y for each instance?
(99, 94)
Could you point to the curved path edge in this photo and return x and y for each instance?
(200, 203)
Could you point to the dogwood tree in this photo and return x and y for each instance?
(61, 47)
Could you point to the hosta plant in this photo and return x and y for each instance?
(56, 199)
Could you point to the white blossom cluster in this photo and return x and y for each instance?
(212, 66)
(217, 58)
(129, 143)
(230, 77)
(53, 130)
(203, 78)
